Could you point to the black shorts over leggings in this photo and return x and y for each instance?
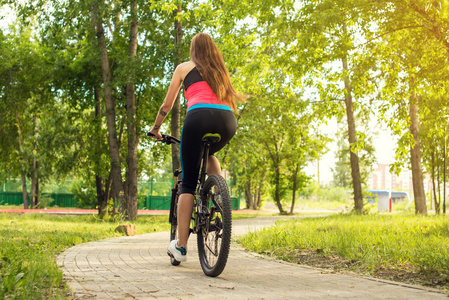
(197, 123)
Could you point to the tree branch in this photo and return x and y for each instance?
(385, 33)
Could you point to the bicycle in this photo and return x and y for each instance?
(211, 218)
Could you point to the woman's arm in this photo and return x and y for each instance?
(170, 98)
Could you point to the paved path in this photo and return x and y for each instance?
(138, 267)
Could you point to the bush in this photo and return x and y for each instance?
(85, 193)
(44, 201)
(324, 197)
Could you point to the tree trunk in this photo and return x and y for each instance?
(355, 169)
(36, 200)
(114, 151)
(176, 110)
(34, 180)
(249, 195)
(255, 200)
(415, 154)
(259, 197)
(107, 195)
(259, 190)
(133, 139)
(102, 194)
(444, 172)
(22, 165)
(438, 182)
(436, 203)
(295, 178)
(277, 194)
(277, 177)
(24, 190)
(102, 201)
(34, 169)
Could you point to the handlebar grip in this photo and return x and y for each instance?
(166, 139)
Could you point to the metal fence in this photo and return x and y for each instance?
(68, 200)
(51, 200)
(154, 194)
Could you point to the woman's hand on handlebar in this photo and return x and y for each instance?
(156, 134)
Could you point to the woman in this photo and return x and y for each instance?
(211, 100)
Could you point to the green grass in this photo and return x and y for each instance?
(31, 242)
(369, 242)
(250, 215)
(323, 204)
(11, 206)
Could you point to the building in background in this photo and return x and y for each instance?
(382, 179)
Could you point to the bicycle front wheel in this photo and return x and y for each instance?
(214, 236)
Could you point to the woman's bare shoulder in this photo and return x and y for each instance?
(185, 67)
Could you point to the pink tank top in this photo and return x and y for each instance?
(197, 91)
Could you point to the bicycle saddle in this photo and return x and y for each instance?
(211, 138)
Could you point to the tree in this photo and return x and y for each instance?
(405, 71)
(310, 39)
(433, 133)
(414, 34)
(127, 64)
(342, 170)
(23, 90)
(176, 110)
(133, 138)
(37, 128)
(125, 78)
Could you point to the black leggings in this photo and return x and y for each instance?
(197, 123)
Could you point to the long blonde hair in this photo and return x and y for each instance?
(209, 62)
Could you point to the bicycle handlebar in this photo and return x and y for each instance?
(166, 139)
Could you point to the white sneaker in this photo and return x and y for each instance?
(179, 253)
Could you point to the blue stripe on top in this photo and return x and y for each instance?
(207, 105)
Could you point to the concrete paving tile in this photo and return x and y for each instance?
(138, 268)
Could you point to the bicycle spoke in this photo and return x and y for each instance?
(215, 251)
(215, 236)
(212, 236)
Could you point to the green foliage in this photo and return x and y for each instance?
(85, 193)
(284, 56)
(365, 152)
(44, 201)
(315, 196)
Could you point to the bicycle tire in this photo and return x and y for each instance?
(174, 222)
(214, 236)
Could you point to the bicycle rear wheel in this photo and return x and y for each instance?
(214, 237)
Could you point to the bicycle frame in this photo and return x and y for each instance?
(197, 207)
(197, 213)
